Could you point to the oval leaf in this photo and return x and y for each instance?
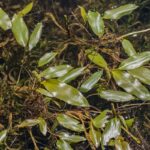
(28, 123)
(46, 58)
(35, 36)
(5, 22)
(122, 145)
(20, 30)
(43, 125)
(63, 145)
(119, 12)
(128, 47)
(70, 123)
(96, 23)
(136, 61)
(83, 13)
(3, 135)
(143, 74)
(131, 85)
(65, 93)
(116, 96)
(91, 81)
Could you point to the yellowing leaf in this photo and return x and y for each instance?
(122, 145)
(119, 12)
(20, 30)
(35, 36)
(83, 13)
(63, 145)
(96, 23)
(5, 22)
(65, 93)
(28, 123)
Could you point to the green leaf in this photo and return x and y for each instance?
(119, 12)
(35, 36)
(141, 73)
(116, 96)
(129, 122)
(73, 74)
(26, 10)
(128, 47)
(112, 130)
(70, 123)
(5, 22)
(96, 23)
(91, 81)
(71, 138)
(20, 30)
(97, 59)
(135, 61)
(101, 120)
(122, 145)
(63, 145)
(3, 135)
(28, 123)
(44, 92)
(53, 72)
(46, 58)
(83, 13)
(131, 85)
(42, 125)
(65, 93)
(95, 136)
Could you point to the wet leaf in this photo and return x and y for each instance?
(53, 72)
(135, 61)
(42, 125)
(3, 135)
(73, 74)
(70, 123)
(5, 22)
(101, 120)
(96, 23)
(83, 13)
(63, 145)
(35, 36)
(65, 93)
(28, 123)
(97, 59)
(91, 81)
(71, 138)
(141, 73)
(95, 136)
(20, 30)
(112, 130)
(128, 47)
(119, 12)
(131, 85)
(46, 58)
(26, 10)
(122, 145)
(116, 96)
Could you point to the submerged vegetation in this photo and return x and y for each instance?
(74, 75)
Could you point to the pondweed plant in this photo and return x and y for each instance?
(127, 81)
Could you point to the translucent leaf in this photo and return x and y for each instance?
(5, 22)
(42, 125)
(46, 58)
(101, 120)
(26, 10)
(35, 36)
(53, 72)
(95, 136)
(131, 85)
(119, 12)
(71, 138)
(135, 61)
(96, 23)
(73, 74)
(3, 135)
(65, 93)
(112, 130)
(141, 73)
(70, 123)
(63, 145)
(83, 13)
(20, 30)
(116, 96)
(91, 81)
(128, 47)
